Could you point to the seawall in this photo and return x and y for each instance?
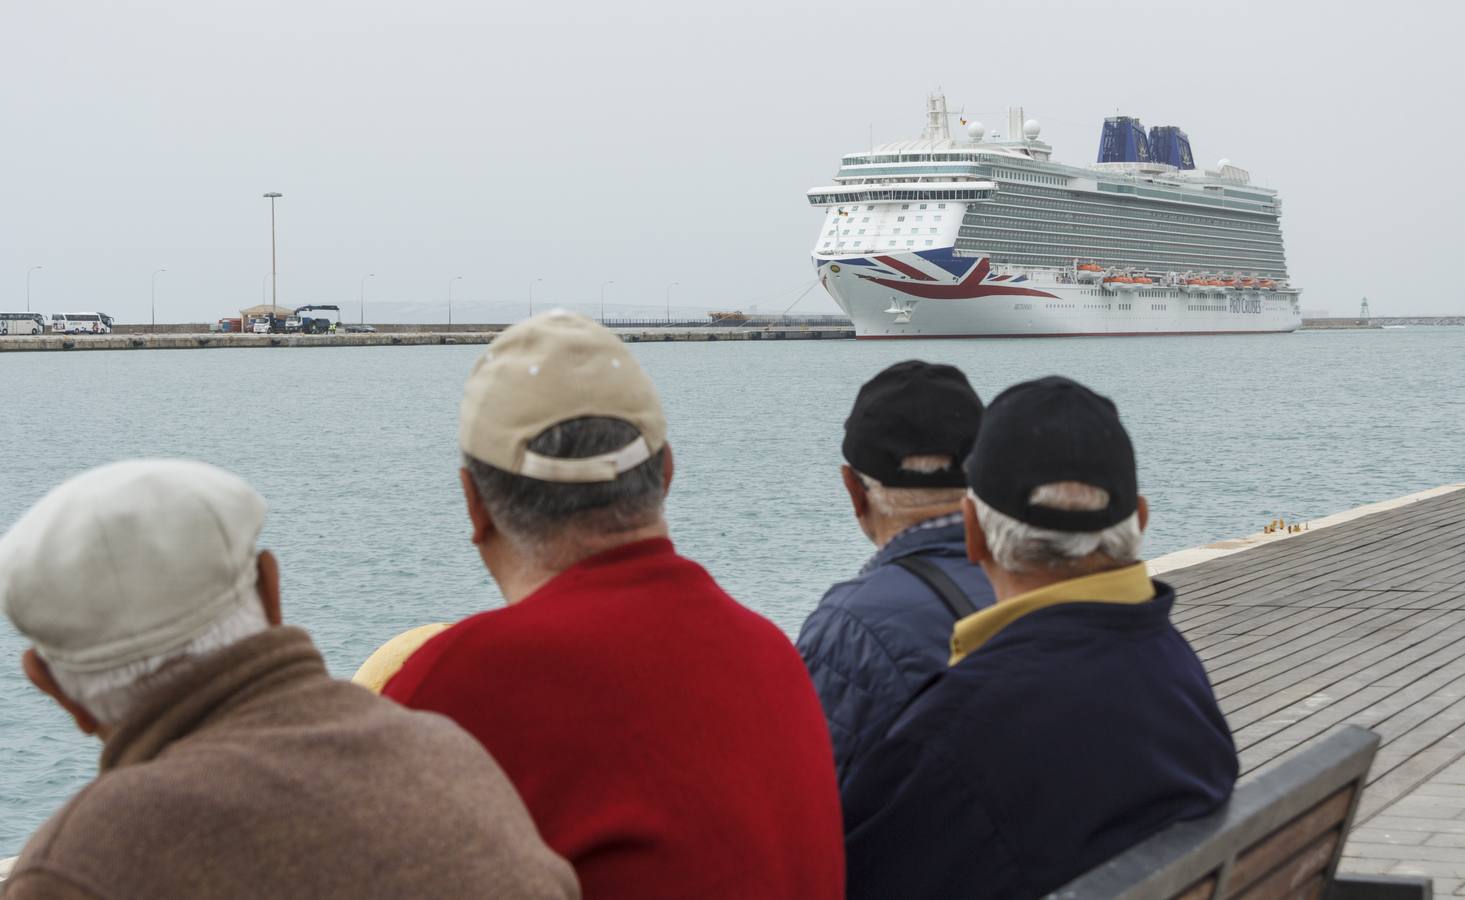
(169, 340)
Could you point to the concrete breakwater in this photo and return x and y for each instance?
(203, 340)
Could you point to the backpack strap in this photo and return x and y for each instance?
(937, 580)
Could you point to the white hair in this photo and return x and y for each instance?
(1019, 547)
(112, 694)
(901, 501)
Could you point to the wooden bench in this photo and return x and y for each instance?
(1279, 836)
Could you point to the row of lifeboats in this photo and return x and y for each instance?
(1089, 273)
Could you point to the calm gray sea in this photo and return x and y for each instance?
(355, 450)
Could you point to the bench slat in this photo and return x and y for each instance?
(1282, 845)
(1293, 878)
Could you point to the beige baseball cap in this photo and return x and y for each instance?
(549, 369)
(129, 561)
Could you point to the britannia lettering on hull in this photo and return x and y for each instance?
(988, 237)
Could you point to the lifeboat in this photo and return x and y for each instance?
(1118, 283)
(1267, 284)
(1089, 272)
(1229, 284)
(1140, 282)
(1246, 284)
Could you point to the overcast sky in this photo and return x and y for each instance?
(663, 141)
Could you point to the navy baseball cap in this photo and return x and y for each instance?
(1050, 430)
(913, 408)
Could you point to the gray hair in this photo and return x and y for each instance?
(531, 513)
(901, 501)
(1019, 547)
(112, 695)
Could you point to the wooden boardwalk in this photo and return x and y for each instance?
(1362, 622)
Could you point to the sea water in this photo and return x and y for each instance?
(355, 450)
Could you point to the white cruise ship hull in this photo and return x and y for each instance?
(936, 294)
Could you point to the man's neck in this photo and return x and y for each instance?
(884, 531)
(1008, 585)
(520, 574)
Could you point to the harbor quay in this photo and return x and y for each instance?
(390, 336)
(1355, 618)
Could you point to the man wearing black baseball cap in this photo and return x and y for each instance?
(875, 640)
(1074, 721)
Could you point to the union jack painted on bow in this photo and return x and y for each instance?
(943, 276)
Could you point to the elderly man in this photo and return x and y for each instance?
(876, 639)
(233, 765)
(666, 740)
(1075, 720)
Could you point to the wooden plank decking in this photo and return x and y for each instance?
(1361, 622)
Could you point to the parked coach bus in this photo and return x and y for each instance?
(22, 323)
(81, 323)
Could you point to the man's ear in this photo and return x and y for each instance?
(668, 469)
(859, 498)
(268, 586)
(40, 675)
(477, 512)
(1143, 511)
(976, 540)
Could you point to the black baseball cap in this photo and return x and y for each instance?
(913, 408)
(1048, 430)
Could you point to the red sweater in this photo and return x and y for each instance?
(666, 740)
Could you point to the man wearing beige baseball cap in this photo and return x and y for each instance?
(233, 764)
(666, 739)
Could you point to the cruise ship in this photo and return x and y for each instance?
(984, 235)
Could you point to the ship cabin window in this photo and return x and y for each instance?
(865, 219)
(910, 243)
(920, 218)
(900, 218)
(929, 243)
(869, 209)
(862, 231)
(941, 206)
(905, 206)
(826, 245)
(897, 231)
(936, 218)
(923, 206)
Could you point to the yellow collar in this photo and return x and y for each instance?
(1130, 584)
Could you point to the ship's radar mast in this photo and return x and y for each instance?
(937, 128)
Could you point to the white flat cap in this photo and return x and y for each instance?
(130, 560)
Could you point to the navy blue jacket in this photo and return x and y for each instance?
(875, 640)
(1072, 734)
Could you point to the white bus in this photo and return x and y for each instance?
(81, 323)
(22, 323)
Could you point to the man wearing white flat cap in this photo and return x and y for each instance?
(233, 765)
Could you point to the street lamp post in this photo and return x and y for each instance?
(450, 298)
(274, 277)
(153, 304)
(264, 289)
(531, 296)
(28, 286)
(363, 296)
(668, 300)
(602, 300)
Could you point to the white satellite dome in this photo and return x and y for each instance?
(1031, 129)
(975, 131)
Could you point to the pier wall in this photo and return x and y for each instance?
(205, 340)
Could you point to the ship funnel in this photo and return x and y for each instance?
(1123, 140)
(1168, 144)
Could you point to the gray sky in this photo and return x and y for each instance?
(662, 141)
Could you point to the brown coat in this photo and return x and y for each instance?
(262, 776)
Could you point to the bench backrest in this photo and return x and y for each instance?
(1279, 836)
